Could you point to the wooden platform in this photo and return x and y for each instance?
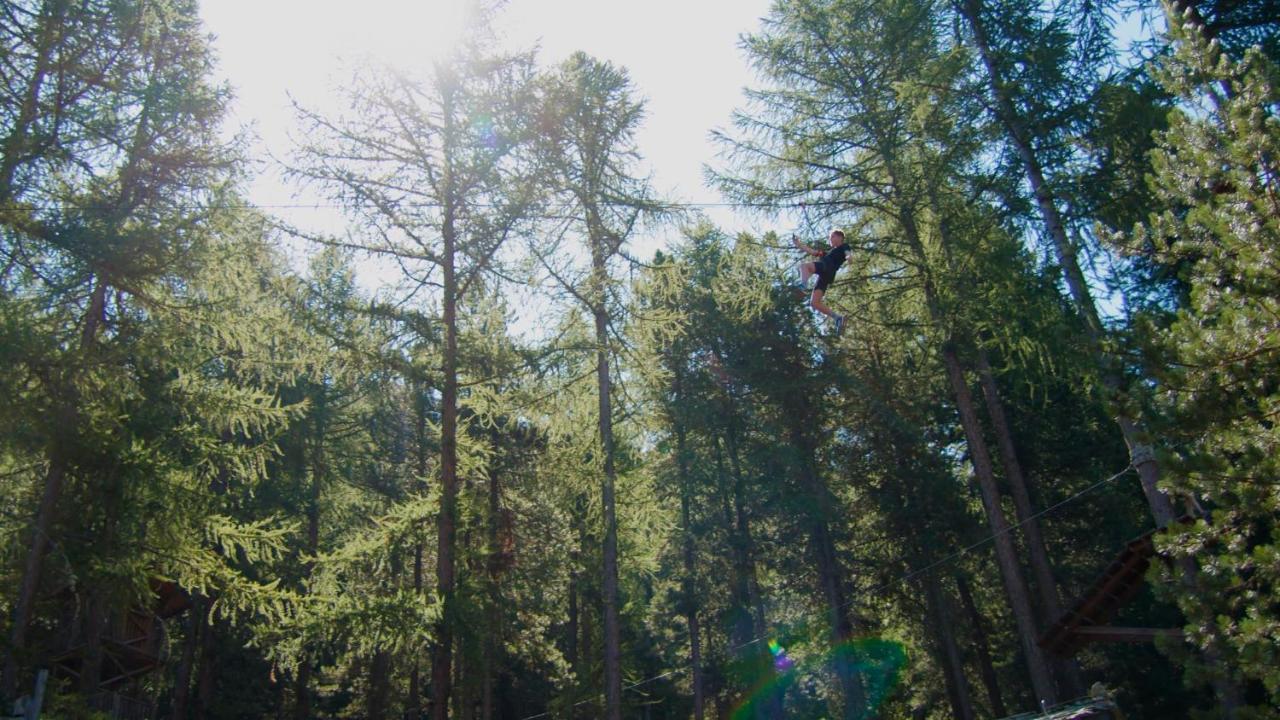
(1089, 619)
(122, 661)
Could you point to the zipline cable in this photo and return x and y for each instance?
(369, 204)
(894, 581)
(65, 207)
(993, 536)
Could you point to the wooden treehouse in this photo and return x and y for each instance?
(1089, 620)
(133, 642)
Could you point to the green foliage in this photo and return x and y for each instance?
(1238, 26)
(272, 439)
(1215, 175)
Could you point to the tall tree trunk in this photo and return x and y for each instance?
(55, 478)
(1066, 670)
(1042, 570)
(1046, 584)
(689, 601)
(609, 586)
(1140, 453)
(949, 653)
(1006, 554)
(986, 668)
(206, 681)
(379, 692)
(182, 681)
(17, 144)
(413, 708)
(441, 657)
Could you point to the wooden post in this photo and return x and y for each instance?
(1108, 633)
(37, 696)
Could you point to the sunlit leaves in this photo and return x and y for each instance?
(1215, 173)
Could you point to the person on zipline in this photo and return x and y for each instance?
(825, 268)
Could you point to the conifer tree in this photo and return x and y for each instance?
(876, 162)
(105, 210)
(681, 326)
(591, 151)
(1029, 137)
(1215, 173)
(429, 170)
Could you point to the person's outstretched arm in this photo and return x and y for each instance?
(801, 246)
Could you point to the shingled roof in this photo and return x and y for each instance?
(1075, 710)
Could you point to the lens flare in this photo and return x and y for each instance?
(877, 663)
(781, 662)
(485, 133)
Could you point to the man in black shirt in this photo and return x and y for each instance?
(825, 268)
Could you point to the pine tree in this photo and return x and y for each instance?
(591, 105)
(1215, 173)
(105, 211)
(430, 170)
(891, 160)
(1020, 120)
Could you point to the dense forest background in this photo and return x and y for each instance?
(237, 484)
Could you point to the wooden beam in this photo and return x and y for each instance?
(1106, 633)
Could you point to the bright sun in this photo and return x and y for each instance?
(303, 40)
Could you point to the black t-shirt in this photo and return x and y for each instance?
(835, 257)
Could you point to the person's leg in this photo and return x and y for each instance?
(819, 305)
(806, 271)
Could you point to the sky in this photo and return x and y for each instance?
(683, 57)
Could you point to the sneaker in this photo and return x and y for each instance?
(839, 323)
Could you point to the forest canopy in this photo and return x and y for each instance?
(1034, 465)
